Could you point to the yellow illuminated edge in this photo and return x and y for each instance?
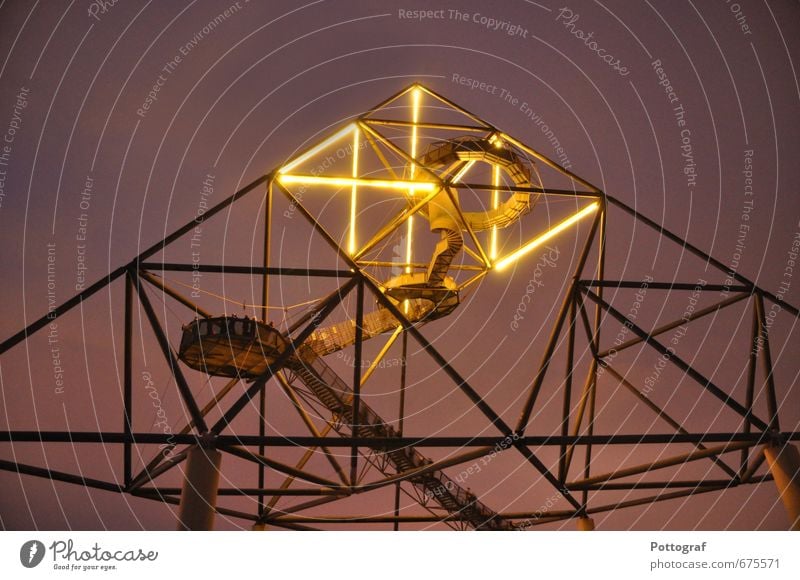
(353, 194)
(311, 152)
(539, 240)
(495, 203)
(412, 173)
(458, 176)
(350, 181)
(410, 186)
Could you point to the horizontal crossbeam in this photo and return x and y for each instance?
(393, 442)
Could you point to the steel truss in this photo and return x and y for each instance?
(583, 312)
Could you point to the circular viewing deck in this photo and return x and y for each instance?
(228, 346)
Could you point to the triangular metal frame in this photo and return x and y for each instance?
(575, 434)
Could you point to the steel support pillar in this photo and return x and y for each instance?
(585, 524)
(784, 463)
(199, 492)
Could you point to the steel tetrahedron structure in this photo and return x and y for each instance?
(417, 202)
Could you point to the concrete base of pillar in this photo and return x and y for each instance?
(199, 492)
(784, 464)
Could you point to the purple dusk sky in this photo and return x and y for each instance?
(119, 121)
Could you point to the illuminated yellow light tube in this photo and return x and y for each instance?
(327, 142)
(495, 203)
(409, 244)
(552, 232)
(351, 181)
(463, 171)
(414, 121)
(412, 173)
(353, 196)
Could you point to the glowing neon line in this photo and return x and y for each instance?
(495, 204)
(350, 181)
(414, 121)
(353, 194)
(552, 232)
(463, 171)
(308, 154)
(409, 232)
(412, 173)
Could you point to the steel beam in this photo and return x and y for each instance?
(244, 453)
(172, 359)
(246, 270)
(127, 394)
(666, 417)
(161, 285)
(701, 254)
(728, 400)
(61, 310)
(659, 464)
(356, 396)
(25, 469)
(534, 389)
(106, 437)
(322, 313)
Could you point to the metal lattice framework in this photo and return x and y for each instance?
(417, 179)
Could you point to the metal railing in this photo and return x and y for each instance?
(336, 395)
